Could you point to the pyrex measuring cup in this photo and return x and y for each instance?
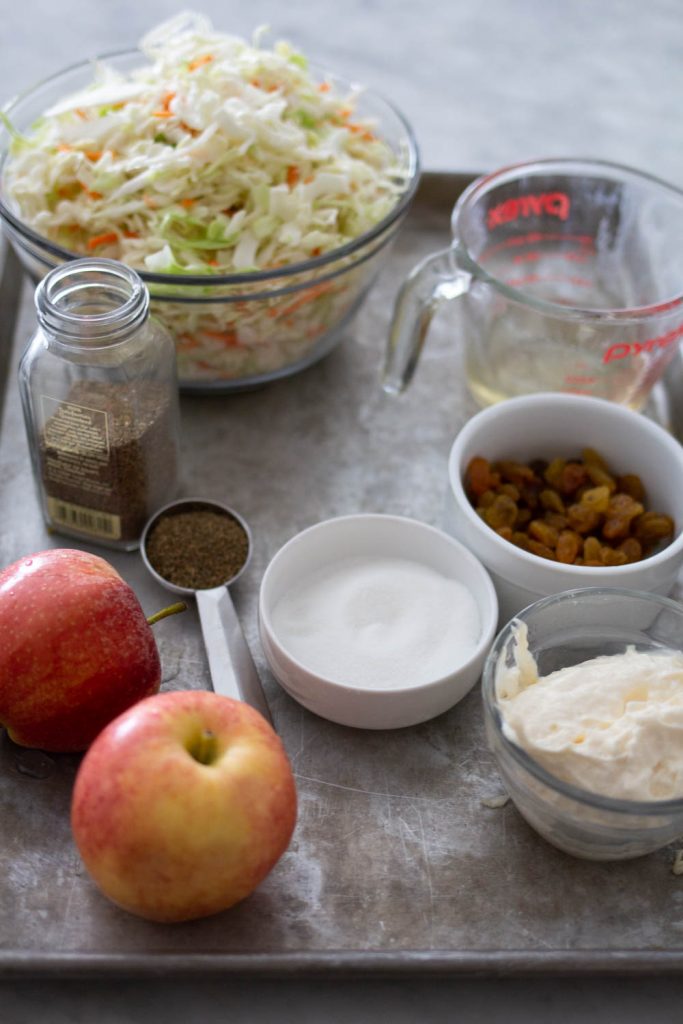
(570, 278)
(233, 673)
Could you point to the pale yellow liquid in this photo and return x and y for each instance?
(520, 366)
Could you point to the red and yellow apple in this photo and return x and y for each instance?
(75, 649)
(182, 805)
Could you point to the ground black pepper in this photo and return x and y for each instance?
(197, 545)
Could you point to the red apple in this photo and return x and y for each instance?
(183, 805)
(75, 649)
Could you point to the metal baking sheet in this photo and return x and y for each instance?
(397, 865)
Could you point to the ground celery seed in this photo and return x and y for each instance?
(197, 546)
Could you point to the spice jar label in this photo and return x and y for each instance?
(75, 444)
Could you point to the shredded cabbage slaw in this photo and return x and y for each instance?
(217, 157)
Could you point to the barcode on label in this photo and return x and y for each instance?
(87, 520)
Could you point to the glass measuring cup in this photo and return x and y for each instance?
(233, 673)
(570, 276)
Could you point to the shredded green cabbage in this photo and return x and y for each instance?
(216, 157)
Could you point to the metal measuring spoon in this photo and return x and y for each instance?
(233, 673)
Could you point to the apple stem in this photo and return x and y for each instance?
(203, 749)
(172, 609)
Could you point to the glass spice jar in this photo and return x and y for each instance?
(100, 397)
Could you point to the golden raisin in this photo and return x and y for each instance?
(582, 518)
(652, 527)
(592, 551)
(612, 556)
(555, 520)
(553, 473)
(596, 498)
(632, 548)
(551, 500)
(542, 550)
(593, 458)
(572, 477)
(510, 490)
(479, 476)
(601, 478)
(520, 539)
(501, 512)
(568, 546)
(632, 485)
(540, 530)
(505, 532)
(515, 472)
(621, 510)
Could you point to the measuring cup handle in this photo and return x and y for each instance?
(233, 673)
(433, 281)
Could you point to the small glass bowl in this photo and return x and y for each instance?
(564, 630)
(237, 331)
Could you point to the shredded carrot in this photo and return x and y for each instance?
(200, 62)
(149, 202)
(64, 147)
(164, 110)
(70, 191)
(308, 296)
(108, 238)
(194, 132)
(324, 87)
(292, 176)
(212, 263)
(93, 155)
(345, 113)
(186, 342)
(316, 251)
(94, 195)
(131, 234)
(229, 338)
(308, 179)
(273, 88)
(187, 203)
(81, 113)
(256, 83)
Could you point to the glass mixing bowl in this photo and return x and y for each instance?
(564, 630)
(289, 317)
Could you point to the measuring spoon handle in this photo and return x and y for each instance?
(233, 673)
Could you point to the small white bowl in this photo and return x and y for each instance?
(549, 426)
(374, 536)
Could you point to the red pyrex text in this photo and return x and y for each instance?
(555, 204)
(623, 348)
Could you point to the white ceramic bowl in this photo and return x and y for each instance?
(374, 536)
(549, 426)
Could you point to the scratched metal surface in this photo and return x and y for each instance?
(396, 865)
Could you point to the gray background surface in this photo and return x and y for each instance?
(483, 84)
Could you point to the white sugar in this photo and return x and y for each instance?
(384, 623)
